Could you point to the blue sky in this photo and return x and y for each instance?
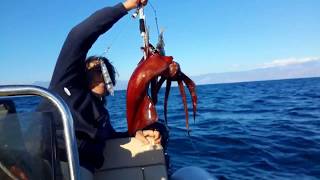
(204, 36)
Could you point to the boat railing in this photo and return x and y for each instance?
(66, 117)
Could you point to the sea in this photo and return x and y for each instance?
(249, 130)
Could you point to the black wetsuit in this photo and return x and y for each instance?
(91, 119)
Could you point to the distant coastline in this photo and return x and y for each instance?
(310, 69)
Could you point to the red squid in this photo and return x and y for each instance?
(153, 71)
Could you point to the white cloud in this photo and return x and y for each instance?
(288, 61)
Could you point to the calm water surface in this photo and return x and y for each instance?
(256, 130)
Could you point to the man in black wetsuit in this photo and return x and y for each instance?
(79, 81)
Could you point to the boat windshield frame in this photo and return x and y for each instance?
(66, 117)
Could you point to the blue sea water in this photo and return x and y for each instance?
(254, 130)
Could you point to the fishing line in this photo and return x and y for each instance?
(112, 42)
(126, 24)
(155, 17)
(194, 147)
(114, 39)
(106, 51)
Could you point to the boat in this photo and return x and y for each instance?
(28, 147)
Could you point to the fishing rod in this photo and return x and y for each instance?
(143, 30)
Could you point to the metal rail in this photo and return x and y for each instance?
(67, 120)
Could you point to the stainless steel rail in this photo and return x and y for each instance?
(67, 121)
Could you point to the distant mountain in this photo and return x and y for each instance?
(121, 85)
(289, 71)
(277, 70)
(44, 84)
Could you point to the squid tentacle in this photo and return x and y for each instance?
(192, 90)
(154, 92)
(184, 100)
(166, 97)
(156, 89)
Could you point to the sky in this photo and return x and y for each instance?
(204, 36)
